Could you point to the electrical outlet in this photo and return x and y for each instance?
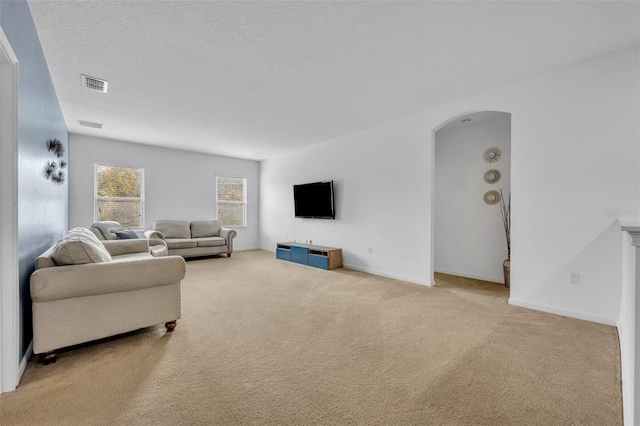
(574, 278)
(370, 250)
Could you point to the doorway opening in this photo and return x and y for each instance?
(471, 172)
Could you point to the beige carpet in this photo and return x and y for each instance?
(268, 342)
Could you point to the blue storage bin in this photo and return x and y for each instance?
(318, 261)
(299, 255)
(283, 254)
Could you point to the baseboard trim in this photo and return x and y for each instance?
(387, 275)
(25, 360)
(246, 249)
(563, 312)
(627, 404)
(374, 272)
(499, 280)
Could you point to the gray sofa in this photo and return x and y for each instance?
(193, 239)
(108, 230)
(84, 289)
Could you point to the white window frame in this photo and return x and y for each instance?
(244, 202)
(96, 197)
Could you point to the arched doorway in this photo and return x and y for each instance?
(471, 163)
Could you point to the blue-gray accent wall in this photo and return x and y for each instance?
(43, 207)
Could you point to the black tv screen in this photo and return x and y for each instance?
(314, 200)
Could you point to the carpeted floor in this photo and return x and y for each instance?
(267, 342)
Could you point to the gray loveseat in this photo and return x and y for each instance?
(192, 239)
(84, 289)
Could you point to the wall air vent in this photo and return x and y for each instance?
(90, 124)
(94, 83)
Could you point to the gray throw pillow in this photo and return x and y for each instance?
(127, 235)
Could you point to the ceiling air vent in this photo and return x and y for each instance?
(94, 83)
(90, 124)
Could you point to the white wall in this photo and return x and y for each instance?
(469, 235)
(42, 205)
(627, 327)
(179, 185)
(574, 149)
(379, 190)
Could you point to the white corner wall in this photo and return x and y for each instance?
(574, 150)
(179, 185)
(469, 234)
(379, 187)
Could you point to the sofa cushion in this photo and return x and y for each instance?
(173, 228)
(210, 241)
(77, 249)
(127, 235)
(178, 243)
(205, 228)
(132, 256)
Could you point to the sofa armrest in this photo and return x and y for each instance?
(120, 247)
(228, 235)
(158, 247)
(89, 279)
(156, 242)
(153, 234)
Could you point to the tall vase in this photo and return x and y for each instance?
(506, 267)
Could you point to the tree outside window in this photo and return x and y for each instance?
(231, 200)
(120, 195)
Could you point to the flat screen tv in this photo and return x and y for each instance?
(314, 200)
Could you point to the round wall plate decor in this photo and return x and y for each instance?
(491, 155)
(492, 176)
(492, 197)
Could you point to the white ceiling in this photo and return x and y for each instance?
(236, 78)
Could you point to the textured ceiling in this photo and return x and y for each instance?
(236, 78)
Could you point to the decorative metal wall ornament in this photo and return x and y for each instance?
(56, 147)
(50, 169)
(491, 155)
(492, 197)
(58, 178)
(492, 176)
(53, 170)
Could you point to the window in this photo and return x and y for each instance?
(231, 200)
(119, 195)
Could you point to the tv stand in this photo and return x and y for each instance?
(307, 254)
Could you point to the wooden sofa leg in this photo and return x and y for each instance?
(228, 254)
(171, 325)
(48, 358)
